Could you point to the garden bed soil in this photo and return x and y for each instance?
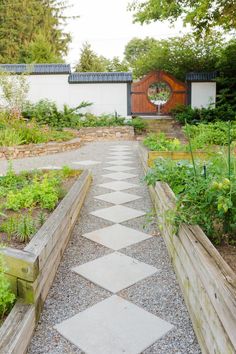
(228, 253)
(14, 242)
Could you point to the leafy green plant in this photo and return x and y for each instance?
(46, 112)
(159, 142)
(139, 125)
(7, 298)
(18, 132)
(25, 228)
(205, 196)
(9, 226)
(222, 112)
(203, 135)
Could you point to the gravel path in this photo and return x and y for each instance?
(159, 294)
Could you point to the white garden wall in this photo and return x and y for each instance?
(106, 97)
(52, 87)
(203, 94)
(108, 92)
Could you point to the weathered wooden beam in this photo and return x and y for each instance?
(17, 329)
(21, 264)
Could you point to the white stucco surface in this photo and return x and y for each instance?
(106, 98)
(203, 94)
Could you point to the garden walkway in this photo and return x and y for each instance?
(115, 290)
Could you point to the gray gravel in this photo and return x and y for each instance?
(70, 293)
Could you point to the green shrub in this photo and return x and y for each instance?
(46, 112)
(184, 114)
(90, 120)
(7, 298)
(159, 142)
(15, 132)
(203, 135)
(207, 199)
(44, 193)
(139, 125)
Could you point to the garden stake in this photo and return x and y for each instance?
(191, 150)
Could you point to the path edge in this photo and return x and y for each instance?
(46, 250)
(207, 282)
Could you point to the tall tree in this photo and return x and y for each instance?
(137, 47)
(201, 14)
(21, 21)
(91, 62)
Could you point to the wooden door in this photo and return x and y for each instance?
(140, 103)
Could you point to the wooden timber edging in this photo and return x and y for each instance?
(206, 280)
(151, 156)
(32, 270)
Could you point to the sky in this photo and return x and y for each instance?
(108, 27)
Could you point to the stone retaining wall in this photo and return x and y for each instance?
(21, 151)
(83, 135)
(106, 133)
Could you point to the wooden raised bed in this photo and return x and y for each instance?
(174, 155)
(207, 282)
(33, 269)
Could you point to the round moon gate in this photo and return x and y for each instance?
(156, 94)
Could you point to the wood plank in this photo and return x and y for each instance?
(220, 294)
(21, 264)
(17, 329)
(196, 295)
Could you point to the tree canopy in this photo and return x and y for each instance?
(177, 55)
(203, 15)
(30, 26)
(90, 61)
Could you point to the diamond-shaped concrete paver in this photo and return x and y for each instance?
(115, 271)
(119, 175)
(118, 185)
(116, 236)
(117, 197)
(120, 158)
(119, 168)
(121, 153)
(115, 326)
(121, 148)
(86, 162)
(118, 213)
(119, 162)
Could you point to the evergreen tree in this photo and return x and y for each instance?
(90, 61)
(21, 22)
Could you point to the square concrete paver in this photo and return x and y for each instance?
(115, 272)
(118, 185)
(86, 162)
(119, 168)
(117, 197)
(113, 326)
(117, 236)
(119, 175)
(118, 213)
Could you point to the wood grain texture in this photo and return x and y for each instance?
(17, 330)
(140, 104)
